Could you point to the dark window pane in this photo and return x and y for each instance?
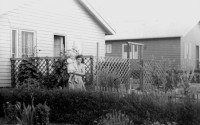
(126, 48)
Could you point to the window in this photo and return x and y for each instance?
(22, 43)
(126, 48)
(27, 44)
(108, 48)
(14, 43)
(59, 45)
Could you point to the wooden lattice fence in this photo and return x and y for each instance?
(129, 72)
(45, 66)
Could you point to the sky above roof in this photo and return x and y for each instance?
(116, 11)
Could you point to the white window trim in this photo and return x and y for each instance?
(108, 46)
(17, 42)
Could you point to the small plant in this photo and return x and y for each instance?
(10, 112)
(26, 114)
(41, 114)
(31, 115)
(186, 78)
(115, 118)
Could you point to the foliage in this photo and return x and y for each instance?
(186, 78)
(108, 79)
(59, 75)
(41, 114)
(29, 85)
(77, 107)
(172, 79)
(10, 112)
(26, 114)
(28, 70)
(114, 118)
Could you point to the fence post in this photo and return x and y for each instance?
(91, 68)
(141, 74)
(129, 76)
(47, 65)
(13, 84)
(141, 68)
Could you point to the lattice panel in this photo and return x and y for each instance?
(45, 65)
(118, 66)
(155, 67)
(15, 71)
(136, 71)
(42, 66)
(139, 70)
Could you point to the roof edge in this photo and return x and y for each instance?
(129, 38)
(106, 26)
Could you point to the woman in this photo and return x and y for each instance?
(77, 75)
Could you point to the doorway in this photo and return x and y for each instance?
(59, 45)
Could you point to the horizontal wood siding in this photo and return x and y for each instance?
(48, 18)
(192, 37)
(168, 48)
(116, 49)
(5, 51)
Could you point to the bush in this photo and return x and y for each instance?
(83, 108)
(107, 78)
(10, 113)
(58, 77)
(28, 70)
(41, 114)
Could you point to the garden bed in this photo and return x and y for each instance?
(83, 108)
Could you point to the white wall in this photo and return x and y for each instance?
(46, 18)
(5, 68)
(190, 40)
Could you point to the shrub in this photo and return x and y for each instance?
(107, 78)
(10, 112)
(77, 107)
(58, 77)
(114, 118)
(41, 114)
(28, 70)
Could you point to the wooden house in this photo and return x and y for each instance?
(46, 28)
(177, 41)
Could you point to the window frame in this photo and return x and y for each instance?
(16, 44)
(108, 48)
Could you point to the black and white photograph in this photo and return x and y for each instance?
(99, 62)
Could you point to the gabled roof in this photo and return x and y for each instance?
(106, 26)
(108, 29)
(151, 29)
